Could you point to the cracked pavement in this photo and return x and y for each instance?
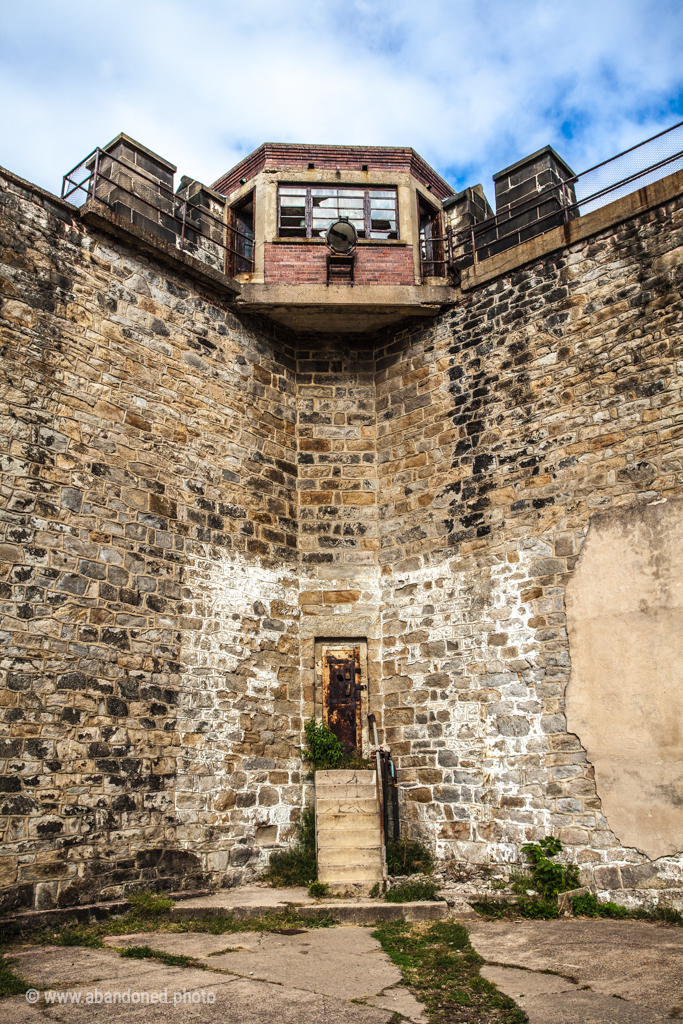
(321, 976)
(607, 972)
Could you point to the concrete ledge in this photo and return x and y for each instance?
(97, 214)
(644, 199)
(409, 298)
(34, 919)
(36, 190)
(344, 308)
(366, 912)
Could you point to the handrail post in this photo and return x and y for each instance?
(95, 170)
(474, 246)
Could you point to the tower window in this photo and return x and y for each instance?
(431, 244)
(308, 212)
(241, 219)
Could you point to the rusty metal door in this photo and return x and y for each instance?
(342, 696)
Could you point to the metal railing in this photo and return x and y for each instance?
(181, 219)
(634, 168)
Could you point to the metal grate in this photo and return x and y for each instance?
(76, 185)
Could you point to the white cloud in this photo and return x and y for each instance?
(471, 86)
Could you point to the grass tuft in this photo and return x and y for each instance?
(297, 865)
(78, 935)
(411, 892)
(319, 890)
(170, 959)
(11, 984)
(588, 905)
(147, 904)
(409, 857)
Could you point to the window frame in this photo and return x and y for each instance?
(242, 245)
(430, 243)
(366, 190)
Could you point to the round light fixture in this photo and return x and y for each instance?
(342, 237)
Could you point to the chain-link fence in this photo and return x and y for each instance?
(628, 171)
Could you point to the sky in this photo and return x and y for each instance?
(472, 85)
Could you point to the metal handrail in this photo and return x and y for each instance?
(178, 213)
(469, 237)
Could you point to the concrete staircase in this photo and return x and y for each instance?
(348, 833)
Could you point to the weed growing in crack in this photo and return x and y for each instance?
(319, 890)
(170, 959)
(442, 969)
(549, 878)
(409, 857)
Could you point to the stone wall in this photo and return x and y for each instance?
(549, 394)
(149, 540)
(191, 498)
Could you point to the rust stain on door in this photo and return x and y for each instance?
(342, 695)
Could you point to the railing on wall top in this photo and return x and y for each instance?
(642, 164)
(184, 221)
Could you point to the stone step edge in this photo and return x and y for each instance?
(359, 913)
(30, 919)
(345, 913)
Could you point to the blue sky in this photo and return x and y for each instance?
(472, 86)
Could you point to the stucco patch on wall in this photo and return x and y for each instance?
(625, 699)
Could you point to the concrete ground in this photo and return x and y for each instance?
(320, 976)
(608, 972)
(600, 971)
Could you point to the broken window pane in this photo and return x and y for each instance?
(292, 212)
(308, 212)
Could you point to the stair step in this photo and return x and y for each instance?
(349, 857)
(345, 777)
(342, 805)
(348, 832)
(335, 838)
(360, 873)
(326, 792)
(347, 822)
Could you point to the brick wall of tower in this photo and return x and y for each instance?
(307, 264)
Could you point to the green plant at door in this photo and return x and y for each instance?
(324, 749)
(548, 876)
